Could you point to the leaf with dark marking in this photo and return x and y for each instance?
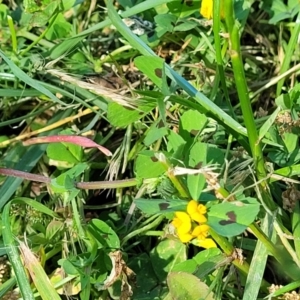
(160, 206)
(232, 218)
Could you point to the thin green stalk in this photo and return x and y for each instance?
(242, 88)
(95, 185)
(14, 256)
(219, 56)
(155, 223)
(293, 42)
(13, 34)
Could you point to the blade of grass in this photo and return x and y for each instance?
(28, 80)
(14, 257)
(258, 264)
(38, 275)
(293, 42)
(7, 286)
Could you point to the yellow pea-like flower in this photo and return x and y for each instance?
(196, 211)
(206, 9)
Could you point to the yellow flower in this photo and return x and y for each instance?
(196, 211)
(201, 231)
(206, 243)
(182, 222)
(206, 9)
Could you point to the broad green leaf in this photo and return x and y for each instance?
(155, 133)
(191, 124)
(184, 8)
(290, 141)
(165, 256)
(284, 101)
(183, 285)
(148, 166)
(66, 181)
(232, 218)
(160, 206)
(67, 152)
(104, 234)
(151, 67)
(121, 116)
(59, 29)
(54, 228)
(203, 263)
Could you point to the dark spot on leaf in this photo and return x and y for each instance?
(194, 132)
(232, 218)
(129, 108)
(154, 159)
(158, 72)
(189, 2)
(163, 206)
(173, 24)
(160, 124)
(105, 236)
(141, 113)
(198, 165)
(150, 34)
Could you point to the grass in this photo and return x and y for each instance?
(150, 153)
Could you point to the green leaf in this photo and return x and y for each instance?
(67, 152)
(191, 124)
(232, 218)
(66, 181)
(187, 286)
(165, 256)
(104, 234)
(59, 29)
(151, 67)
(184, 8)
(54, 228)
(160, 206)
(205, 262)
(121, 116)
(155, 133)
(290, 141)
(148, 166)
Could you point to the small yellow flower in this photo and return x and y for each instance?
(185, 237)
(206, 9)
(182, 222)
(206, 243)
(196, 211)
(201, 231)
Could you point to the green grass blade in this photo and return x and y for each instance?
(258, 265)
(293, 43)
(7, 285)
(28, 80)
(14, 257)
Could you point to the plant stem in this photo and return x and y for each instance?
(242, 90)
